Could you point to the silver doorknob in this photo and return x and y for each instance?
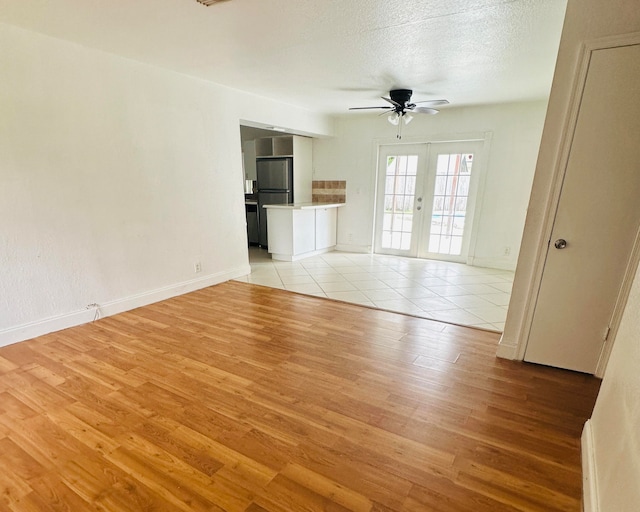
(560, 243)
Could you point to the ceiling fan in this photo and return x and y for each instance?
(401, 108)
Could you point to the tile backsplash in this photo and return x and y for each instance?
(329, 191)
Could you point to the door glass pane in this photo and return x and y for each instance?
(453, 175)
(400, 187)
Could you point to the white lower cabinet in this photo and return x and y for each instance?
(299, 232)
(304, 231)
(326, 227)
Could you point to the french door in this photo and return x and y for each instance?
(426, 198)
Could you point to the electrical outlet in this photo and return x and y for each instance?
(350, 238)
(197, 267)
(506, 251)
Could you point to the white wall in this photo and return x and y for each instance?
(615, 425)
(516, 131)
(616, 418)
(115, 178)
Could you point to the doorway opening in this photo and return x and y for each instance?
(250, 139)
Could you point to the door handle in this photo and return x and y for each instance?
(560, 243)
(419, 208)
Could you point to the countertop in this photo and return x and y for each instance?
(303, 206)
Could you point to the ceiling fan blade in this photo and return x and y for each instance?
(365, 108)
(434, 103)
(394, 103)
(425, 110)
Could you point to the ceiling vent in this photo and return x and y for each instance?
(210, 2)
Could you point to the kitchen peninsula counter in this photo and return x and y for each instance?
(303, 206)
(301, 230)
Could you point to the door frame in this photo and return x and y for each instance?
(482, 137)
(533, 282)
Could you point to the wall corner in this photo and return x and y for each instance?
(590, 502)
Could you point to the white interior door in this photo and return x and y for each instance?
(426, 199)
(597, 219)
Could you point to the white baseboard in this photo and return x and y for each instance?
(45, 326)
(493, 263)
(476, 262)
(297, 257)
(507, 350)
(365, 249)
(83, 316)
(590, 502)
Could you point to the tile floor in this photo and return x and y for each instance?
(450, 292)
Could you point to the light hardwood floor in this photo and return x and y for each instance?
(246, 398)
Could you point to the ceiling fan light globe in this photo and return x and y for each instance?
(407, 118)
(394, 119)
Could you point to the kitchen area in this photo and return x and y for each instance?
(298, 253)
(288, 213)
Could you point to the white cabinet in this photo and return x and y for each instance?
(302, 169)
(325, 227)
(249, 159)
(275, 146)
(300, 231)
(303, 231)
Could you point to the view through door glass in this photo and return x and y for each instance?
(450, 200)
(399, 197)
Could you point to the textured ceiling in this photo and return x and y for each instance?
(324, 55)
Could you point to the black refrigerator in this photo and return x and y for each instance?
(275, 186)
